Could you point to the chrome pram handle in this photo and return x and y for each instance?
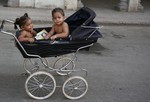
(3, 22)
(8, 33)
(91, 27)
(2, 27)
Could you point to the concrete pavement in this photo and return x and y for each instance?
(117, 65)
(104, 15)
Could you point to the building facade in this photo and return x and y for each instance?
(130, 5)
(65, 4)
(123, 5)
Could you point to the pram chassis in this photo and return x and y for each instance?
(74, 87)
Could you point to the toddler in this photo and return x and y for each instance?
(60, 28)
(27, 33)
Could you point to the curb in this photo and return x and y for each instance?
(124, 24)
(98, 22)
(102, 23)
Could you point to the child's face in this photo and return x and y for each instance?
(28, 26)
(58, 18)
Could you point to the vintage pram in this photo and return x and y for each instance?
(41, 84)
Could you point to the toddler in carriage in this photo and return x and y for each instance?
(60, 28)
(27, 33)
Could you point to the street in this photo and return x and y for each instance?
(118, 67)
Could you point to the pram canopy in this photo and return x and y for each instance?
(81, 24)
(82, 32)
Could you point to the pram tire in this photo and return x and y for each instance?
(33, 64)
(75, 87)
(40, 85)
(61, 62)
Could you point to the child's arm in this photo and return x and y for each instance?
(23, 38)
(34, 33)
(48, 35)
(63, 34)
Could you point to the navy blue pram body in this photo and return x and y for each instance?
(82, 31)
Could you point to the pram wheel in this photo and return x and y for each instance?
(33, 64)
(40, 85)
(65, 66)
(75, 87)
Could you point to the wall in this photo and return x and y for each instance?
(14, 3)
(65, 4)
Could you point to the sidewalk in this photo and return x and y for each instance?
(104, 16)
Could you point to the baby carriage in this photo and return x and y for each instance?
(41, 83)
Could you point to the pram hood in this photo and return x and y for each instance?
(83, 17)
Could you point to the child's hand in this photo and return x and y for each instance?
(53, 37)
(31, 40)
(47, 36)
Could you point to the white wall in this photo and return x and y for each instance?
(14, 3)
(133, 5)
(65, 4)
(71, 4)
(49, 3)
(26, 3)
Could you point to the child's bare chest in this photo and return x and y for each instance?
(29, 35)
(58, 29)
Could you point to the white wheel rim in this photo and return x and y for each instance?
(34, 65)
(72, 89)
(32, 86)
(71, 66)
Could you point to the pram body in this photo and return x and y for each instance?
(83, 33)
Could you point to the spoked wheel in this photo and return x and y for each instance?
(40, 85)
(65, 65)
(75, 87)
(33, 64)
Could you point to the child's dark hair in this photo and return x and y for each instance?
(58, 10)
(21, 21)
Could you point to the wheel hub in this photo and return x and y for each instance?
(40, 85)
